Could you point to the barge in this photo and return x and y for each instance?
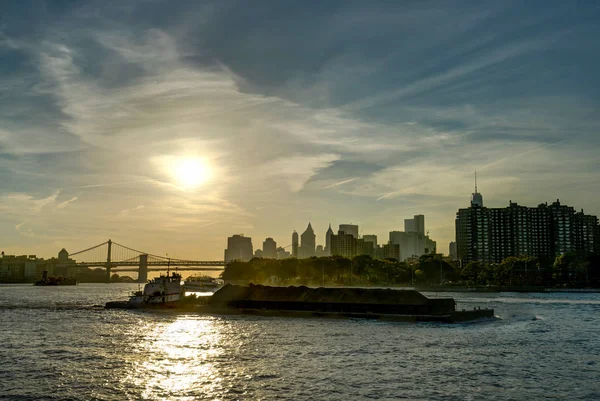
(51, 281)
(379, 304)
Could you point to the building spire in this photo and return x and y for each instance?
(476, 198)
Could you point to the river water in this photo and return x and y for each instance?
(55, 345)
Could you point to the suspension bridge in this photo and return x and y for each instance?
(117, 258)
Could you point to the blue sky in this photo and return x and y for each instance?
(337, 111)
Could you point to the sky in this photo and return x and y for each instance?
(169, 126)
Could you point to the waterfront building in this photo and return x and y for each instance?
(587, 234)
(12, 267)
(492, 234)
(269, 248)
(28, 268)
(239, 248)
(351, 229)
(295, 244)
(308, 243)
(473, 234)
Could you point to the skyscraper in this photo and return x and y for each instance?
(351, 229)
(269, 248)
(238, 248)
(308, 243)
(388, 251)
(415, 225)
(282, 253)
(328, 235)
(476, 197)
(344, 244)
(372, 238)
(412, 244)
(419, 220)
(452, 251)
(409, 225)
(295, 244)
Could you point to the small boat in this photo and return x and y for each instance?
(55, 280)
(202, 283)
(163, 291)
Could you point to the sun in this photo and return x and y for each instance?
(190, 172)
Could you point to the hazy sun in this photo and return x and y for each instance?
(190, 172)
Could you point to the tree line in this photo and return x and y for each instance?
(565, 271)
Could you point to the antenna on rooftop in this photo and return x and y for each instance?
(476, 181)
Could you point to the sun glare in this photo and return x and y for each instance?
(190, 172)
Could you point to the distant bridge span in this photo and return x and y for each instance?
(178, 268)
(111, 255)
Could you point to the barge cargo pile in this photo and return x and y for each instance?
(382, 304)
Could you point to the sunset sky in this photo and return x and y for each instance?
(168, 126)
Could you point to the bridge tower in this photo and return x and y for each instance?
(143, 270)
(108, 264)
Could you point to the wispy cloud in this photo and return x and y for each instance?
(337, 184)
(133, 209)
(514, 156)
(297, 170)
(26, 233)
(66, 203)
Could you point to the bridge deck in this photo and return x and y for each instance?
(165, 264)
(210, 269)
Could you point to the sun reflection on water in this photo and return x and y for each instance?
(176, 360)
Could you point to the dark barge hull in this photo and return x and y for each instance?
(454, 317)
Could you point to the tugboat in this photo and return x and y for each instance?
(163, 291)
(55, 280)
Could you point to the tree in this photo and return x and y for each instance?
(562, 268)
(238, 271)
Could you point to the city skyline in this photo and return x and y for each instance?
(116, 123)
(408, 226)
